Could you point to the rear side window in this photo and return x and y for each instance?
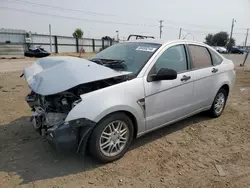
(216, 58)
(200, 57)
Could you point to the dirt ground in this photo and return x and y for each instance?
(196, 152)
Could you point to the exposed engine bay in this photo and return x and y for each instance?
(51, 110)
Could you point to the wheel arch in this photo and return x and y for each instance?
(226, 88)
(84, 139)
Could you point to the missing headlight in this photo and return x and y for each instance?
(76, 102)
(55, 118)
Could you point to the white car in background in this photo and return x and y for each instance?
(124, 92)
(221, 49)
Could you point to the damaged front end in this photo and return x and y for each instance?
(50, 111)
(48, 118)
(53, 96)
(49, 114)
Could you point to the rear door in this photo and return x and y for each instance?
(205, 78)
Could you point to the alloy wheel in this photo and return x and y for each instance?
(219, 103)
(114, 138)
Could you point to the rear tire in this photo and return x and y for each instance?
(219, 103)
(111, 137)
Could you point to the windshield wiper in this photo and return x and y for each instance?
(98, 61)
(112, 63)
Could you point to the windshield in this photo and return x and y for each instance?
(128, 56)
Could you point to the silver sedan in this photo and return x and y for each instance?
(124, 92)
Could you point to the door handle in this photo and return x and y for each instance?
(215, 70)
(185, 78)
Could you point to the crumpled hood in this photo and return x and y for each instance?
(51, 75)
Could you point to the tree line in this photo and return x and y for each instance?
(220, 39)
(217, 39)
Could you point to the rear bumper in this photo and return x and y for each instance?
(233, 80)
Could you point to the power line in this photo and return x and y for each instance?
(77, 18)
(104, 14)
(207, 32)
(108, 22)
(90, 20)
(73, 10)
(195, 31)
(239, 33)
(60, 8)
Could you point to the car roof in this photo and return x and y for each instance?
(161, 41)
(166, 42)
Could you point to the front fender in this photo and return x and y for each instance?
(121, 97)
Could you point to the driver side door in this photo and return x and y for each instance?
(169, 100)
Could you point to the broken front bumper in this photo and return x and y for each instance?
(64, 137)
(70, 136)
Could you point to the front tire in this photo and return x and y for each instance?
(219, 103)
(111, 137)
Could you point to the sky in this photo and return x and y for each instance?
(98, 18)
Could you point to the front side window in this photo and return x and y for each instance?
(128, 56)
(173, 58)
(200, 57)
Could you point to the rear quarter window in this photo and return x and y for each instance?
(215, 58)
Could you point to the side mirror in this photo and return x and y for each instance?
(163, 74)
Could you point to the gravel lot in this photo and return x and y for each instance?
(197, 152)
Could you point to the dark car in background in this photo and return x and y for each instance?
(236, 50)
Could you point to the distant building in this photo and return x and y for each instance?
(12, 36)
(3, 30)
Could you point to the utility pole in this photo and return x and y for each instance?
(232, 28)
(180, 33)
(231, 34)
(161, 26)
(247, 54)
(117, 36)
(246, 38)
(50, 38)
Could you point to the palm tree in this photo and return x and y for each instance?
(78, 33)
